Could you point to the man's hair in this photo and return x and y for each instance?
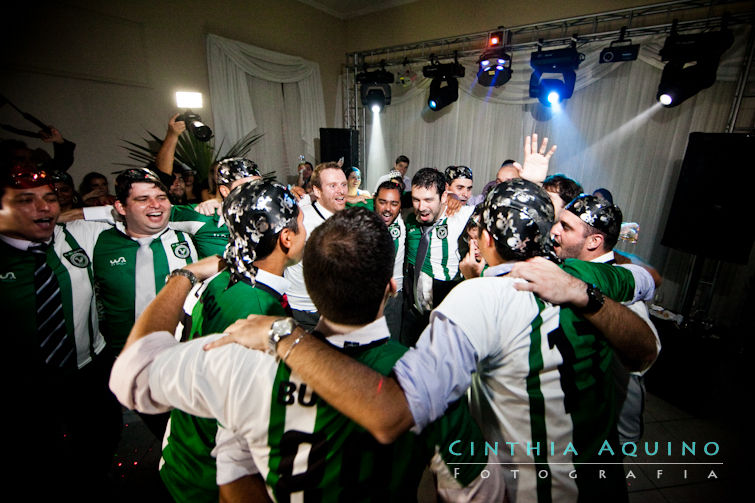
(566, 188)
(348, 261)
(127, 178)
(402, 158)
(430, 177)
(316, 174)
(388, 185)
(506, 162)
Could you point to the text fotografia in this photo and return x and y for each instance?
(629, 449)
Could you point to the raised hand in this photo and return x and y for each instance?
(535, 167)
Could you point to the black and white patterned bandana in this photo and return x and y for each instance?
(519, 214)
(235, 168)
(597, 213)
(454, 172)
(254, 211)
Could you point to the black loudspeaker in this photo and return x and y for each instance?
(336, 143)
(713, 205)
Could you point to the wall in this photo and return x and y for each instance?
(433, 19)
(103, 72)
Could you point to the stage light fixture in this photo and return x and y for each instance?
(495, 62)
(692, 63)
(553, 73)
(444, 88)
(620, 50)
(443, 91)
(375, 89)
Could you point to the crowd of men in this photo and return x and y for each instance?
(360, 326)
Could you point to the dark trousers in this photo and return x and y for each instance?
(67, 433)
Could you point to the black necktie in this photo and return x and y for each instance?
(57, 348)
(419, 259)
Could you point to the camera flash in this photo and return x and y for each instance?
(188, 100)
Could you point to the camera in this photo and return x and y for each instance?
(194, 124)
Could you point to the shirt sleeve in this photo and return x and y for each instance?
(99, 214)
(129, 378)
(431, 379)
(641, 310)
(232, 457)
(208, 237)
(644, 286)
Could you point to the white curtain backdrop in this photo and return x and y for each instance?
(611, 133)
(261, 91)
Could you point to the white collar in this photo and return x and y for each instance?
(498, 270)
(606, 257)
(277, 283)
(322, 209)
(21, 244)
(121, 226)
(372, 332)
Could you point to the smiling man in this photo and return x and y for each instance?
(387, 203)
(329, 186)
(154, 238)
(60, 362)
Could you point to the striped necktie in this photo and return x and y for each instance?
(58, 350)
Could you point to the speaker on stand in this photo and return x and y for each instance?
(711, 210)
(336, 143)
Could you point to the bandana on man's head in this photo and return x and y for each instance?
(254, 211)
(519, 214)
(454, 172)
(597, 213)
(235, 168)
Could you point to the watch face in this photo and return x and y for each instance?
(283, 327)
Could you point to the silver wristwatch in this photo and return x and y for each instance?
(185, 273)
(282, 327)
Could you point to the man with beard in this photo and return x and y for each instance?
(432, 258)
(539, 374)
(588, 229)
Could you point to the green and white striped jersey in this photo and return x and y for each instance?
(305, 449)
(442, 259)
(70, 259)
(188, 237)
(544, 391)
(187, 467)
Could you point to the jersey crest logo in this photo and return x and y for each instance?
(77, 257)
(8, 276)
(118, 261)
(442, 231)
(181, 250)
(395, 232)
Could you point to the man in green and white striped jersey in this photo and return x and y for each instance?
(132, 258)
(540, 375)
(266, 235)
(57, 358)
(387, 204)
(304, 448)
(432, 242)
